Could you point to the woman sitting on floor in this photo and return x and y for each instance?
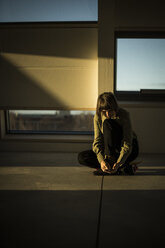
(115, 144)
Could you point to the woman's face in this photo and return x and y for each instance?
(109, 113)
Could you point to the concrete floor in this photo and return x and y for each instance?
(49, 200)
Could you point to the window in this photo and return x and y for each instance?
(140, 63)
(48, 10)
(49, 121)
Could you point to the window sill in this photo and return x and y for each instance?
(141, 104)
(49, 138)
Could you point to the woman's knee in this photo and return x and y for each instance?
(81, 157)
(84, 156)
(88, 158)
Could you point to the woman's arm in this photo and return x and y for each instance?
(98, 143)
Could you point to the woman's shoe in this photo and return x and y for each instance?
(111, 160)
(99, 172)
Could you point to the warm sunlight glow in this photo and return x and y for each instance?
(71, 80)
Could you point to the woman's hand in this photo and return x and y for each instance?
(105, 166)
(116, 166)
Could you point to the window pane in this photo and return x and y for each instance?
(29, 121)
(140, 64)
(48, 10)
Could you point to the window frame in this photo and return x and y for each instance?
(143, 95)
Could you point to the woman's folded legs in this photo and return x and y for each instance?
(88, 158)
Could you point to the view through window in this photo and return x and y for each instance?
(50, 121)
(140, 64)
(48, 10)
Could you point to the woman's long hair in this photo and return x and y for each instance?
(106, 101)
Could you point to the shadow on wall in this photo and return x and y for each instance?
(23, 90)
(57, 42)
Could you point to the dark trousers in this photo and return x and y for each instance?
(113, 135)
